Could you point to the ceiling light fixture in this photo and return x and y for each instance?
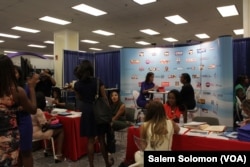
(49, 42)
(25, 29)
(170, 39)
(150, 32)
(82, 51)
(89, 41)
(176, 19)
(227, 11)
(102, 32)
(36, 46)
(89, 10)
(115, 46)
(202, 36)
(1, 41)
(143, 2)
(9, 35)
(47, 55)
(95, 49)
(9, 51)
(239, 32)
(54, 20)
(142, 43)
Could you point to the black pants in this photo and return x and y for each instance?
(111, 147)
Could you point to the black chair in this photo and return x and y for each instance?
(208, 120)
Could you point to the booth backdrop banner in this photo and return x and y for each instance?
(209, 65)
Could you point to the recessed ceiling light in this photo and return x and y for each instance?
(36, 46)
(170, 39)
(150, 32)
(54, 20)
(115, 46)
(1, 41)
(143, 2)
(25, 29)
(142, 43)
(176, 19)
(9, 51)
(102, 32)
(9, 35)
(49, 42)
(89, 41)
(95, 49)
(227, 11)
(239, 32)
(82, 51)
(89, 10)
(202, 36)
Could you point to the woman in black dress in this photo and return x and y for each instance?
(86, 89)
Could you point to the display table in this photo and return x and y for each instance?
(188, 143)
(162, 93)
(74, 146)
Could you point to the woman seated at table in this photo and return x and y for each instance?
(157, 130)
(40, 131)
(58, 101)
(146, 86)
(173, 107)
(246, 109)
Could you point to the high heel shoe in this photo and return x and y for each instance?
(59, 158)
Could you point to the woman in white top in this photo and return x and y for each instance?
(158, 130)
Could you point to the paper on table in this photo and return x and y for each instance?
(183, 130)
(216, 136)
(216, 128)
(73, 116)
(59, 110)
(200, 133)
(193, 123)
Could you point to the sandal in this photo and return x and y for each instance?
(59, 158)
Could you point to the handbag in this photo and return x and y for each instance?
(101, 108)
(244, 133)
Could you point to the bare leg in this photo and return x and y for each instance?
(103, 146)
(91, 141)
(27, 159)
(59, 136)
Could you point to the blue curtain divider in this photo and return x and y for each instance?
(107, 68)
(241, 57)
(71, 60)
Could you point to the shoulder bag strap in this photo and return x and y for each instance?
(97, 88)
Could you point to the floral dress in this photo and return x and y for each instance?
(9, 135)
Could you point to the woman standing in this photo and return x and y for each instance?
(24, 126)
(12, 97)
(146, 86)
(86, 89)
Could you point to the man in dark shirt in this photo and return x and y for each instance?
(46, 83)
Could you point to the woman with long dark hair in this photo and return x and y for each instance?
(86, 89)
(13, 99)
(146, 86)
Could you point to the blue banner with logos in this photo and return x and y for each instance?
(209, 64)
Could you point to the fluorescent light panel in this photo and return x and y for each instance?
(227, 11)
(102, 32)
(239, 32)
(202, 36)
(176, 19)
(115, 46)
(143, 2)
(89, 10)
(1, 41)
(49, 42)
(36, 46)
(9, 35)
(82, 51)
(95, 49)
(54, 20)
(25, 29)
(9, 51)
(47, 55)
(170, 39)
(89, 41)
(150, 32)
(142, 43)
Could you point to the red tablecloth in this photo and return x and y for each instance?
(74, 146)
(188, 143)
